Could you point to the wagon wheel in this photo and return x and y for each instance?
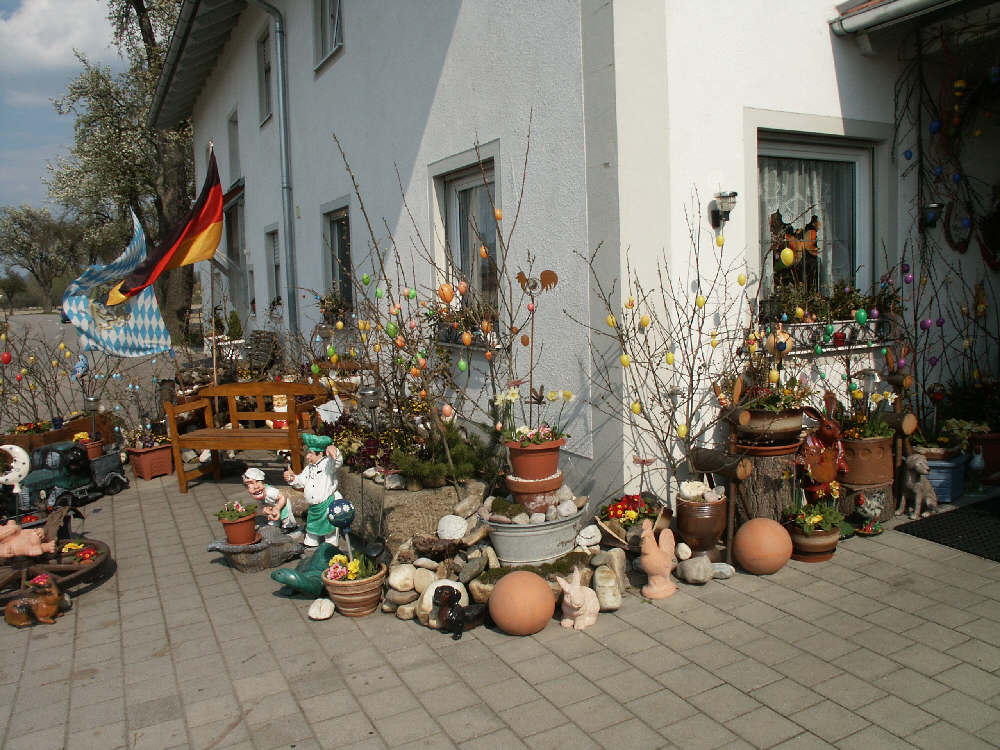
(65, 569)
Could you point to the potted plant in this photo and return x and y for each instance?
(978, 400)
(354, 585)
(533, 448)
(814, 527)
(621, 521)
(867, 438)
(149, 453)
(94, 448)
(770, 411)
(239, 521)
(701, 517)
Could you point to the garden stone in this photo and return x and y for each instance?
(401, 597)
(586, 575)
(601, 558)
(413, 484)
(683, 551)
(477, 533)
(473, 569)
(480, 591)
(379, 478)
(406, 611)
(434, 548)
(618, 562)
(589, 536)
(484, 513)
(423, 578)
(551, 513)
(521, 519)
(321, 609)
(499, 518)
(425, 562)
(451, 527)
(467, 506)
(401, 577)
(581, 501)
(492, 561)
(697, 570)
(563, 494)
(188, 455)
(388, 607)
(449, 569)
(536, 518)
(427, 612)
(475, 552)
(370, 472)
(488, 502)
(609, 594)
(723, 570)
(567, 508)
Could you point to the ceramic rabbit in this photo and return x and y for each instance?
(579, 603)
(823, 452)
(657, 561)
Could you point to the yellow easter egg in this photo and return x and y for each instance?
(68, 354)
(625, 360)
(699, 301)
(631, 303)
(377, 348)
(714, 333)
(54, 363)
(31, 360)
(636, 407)
(364, 338)
(644, 321)
(610, 320)
(752, 347)
(15, 399)
(787, 256)
(340, 325)
(800, 313)
(720, 240)
(682, 431)
(62, 345)
(773, 376)
(669, 358)
(24, 370)
(741, 279)
(714, 343)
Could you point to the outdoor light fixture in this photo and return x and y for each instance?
(91, 405)
(724, 204)
(932, 212)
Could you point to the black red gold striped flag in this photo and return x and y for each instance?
(194, 240)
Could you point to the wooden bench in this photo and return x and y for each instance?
(302, 402)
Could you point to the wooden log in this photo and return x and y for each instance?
(736, 416)
(769, 487)
(900, 381)
(711, 461)
(905, 423)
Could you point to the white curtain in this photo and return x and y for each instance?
(801, 189)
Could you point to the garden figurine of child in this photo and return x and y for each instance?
(318, 481)
(271, 501)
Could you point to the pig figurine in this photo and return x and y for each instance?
(15, 541)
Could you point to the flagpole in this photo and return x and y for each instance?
(211, 286)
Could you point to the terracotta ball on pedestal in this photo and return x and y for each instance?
(522, 603)
(762, 546)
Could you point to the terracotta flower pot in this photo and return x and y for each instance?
(241, 531)
(357, 598)
(535, 461)
(816, 547)
(95, 448)
(701, 524)
(148, 463)
(771, 426)
(869, 461)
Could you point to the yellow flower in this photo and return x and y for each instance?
(567, 396)
(551, 396)
(631, 515)
(338, 560)
(814, 519)
(352, 569)
(876, 397)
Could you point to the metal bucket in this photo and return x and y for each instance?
(533, 544)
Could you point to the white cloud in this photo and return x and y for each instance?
(19, 98)
(42, 34)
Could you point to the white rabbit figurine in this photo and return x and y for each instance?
(579, 603)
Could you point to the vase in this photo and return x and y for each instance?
(535, 461)
(357, 598)
(869, 461)
(149, 463)
(241, 531)
(771, 426)
(818, 546)
(700, 524)
(989, 443)
(947, 477)
(95, 448)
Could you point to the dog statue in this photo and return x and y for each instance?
(43, 604)
(917, 488)
(454, 618)
(579, 603)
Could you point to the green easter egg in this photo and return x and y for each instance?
(883, 351)
(379, 293)
(829, 329)
(413, 294)
(330, 350)
(861, 316)
(315, 369)
(366, 279)
(463, 365)
(818, 349)
(391, 328)
(822, 376)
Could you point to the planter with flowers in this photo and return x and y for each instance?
(94, 448)
(150, 454)
(354, 585)
(867, 438)
(621, 522)
(239, 522)
(814, 528)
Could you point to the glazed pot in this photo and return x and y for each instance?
(701, 524)
(815, 547)
(357, 598)
(241, 531)
(869, 461)
(532, 461)
(771, 426)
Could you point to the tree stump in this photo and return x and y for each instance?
(769, 487)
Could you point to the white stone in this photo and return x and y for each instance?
(488, 502)
(395, 482)
(563, 494)
(521, 519)
(452, 527)
(401, 577)
(406, 611)
(425, 605)
(609, 594)
(723, 570)
(467, 506)
(422, 578)
(683, 551)
(697, 570)
(484, 513)
(369, 473)
(589, 535)
(379, 478)
(567, 508)
(619, 563)
(321, 609)
(536, 518)
(492, 560)
(551, 513)
(425, 562)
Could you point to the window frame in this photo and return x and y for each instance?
(272, 251)
(331, 253)
(328, 26)
(467, 179)
(265, 102)
(233, 136)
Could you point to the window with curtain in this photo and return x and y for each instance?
(817, 201)
(337, 233)
(470, 225)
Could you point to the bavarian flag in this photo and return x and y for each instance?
(194, 240)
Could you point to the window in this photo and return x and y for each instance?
(273, 254)
(264, 76)
(233, 128)
(251, 291)
(235, 254)
(337, 236)
(329, 26)
(816, 198)
(469, 226)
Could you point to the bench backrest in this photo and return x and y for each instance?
(311, 395)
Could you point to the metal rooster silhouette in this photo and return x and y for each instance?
(546, 280)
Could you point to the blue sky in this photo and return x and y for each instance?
(37, 39)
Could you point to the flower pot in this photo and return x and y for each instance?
(535, 494)
(816, 547)
(95, 448)
(989, 442)
(869, 461)
(241, 531)
(357, 598)
(536, 543)
(935, 453)
(148, 463)
(532, 461)
(771, 426)
(947, 477)
(701, 524)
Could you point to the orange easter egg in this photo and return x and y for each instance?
(467, 338)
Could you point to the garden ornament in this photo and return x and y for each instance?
(20, 465)
(43, 604)
(579, 603)
(917, 487)
(318, 481)
(454, 618)
(269, 499)
(657, 559)
(306, 578)
(15, 541)
(869, 507)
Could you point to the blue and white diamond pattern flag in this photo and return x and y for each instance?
(132, 329)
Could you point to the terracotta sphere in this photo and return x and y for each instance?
(762, 546)
(522, 603)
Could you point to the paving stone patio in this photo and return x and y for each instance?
(894, 643)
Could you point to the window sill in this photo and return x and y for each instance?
(321, 64)
(266, 119)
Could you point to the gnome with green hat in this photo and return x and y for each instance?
(318, 482)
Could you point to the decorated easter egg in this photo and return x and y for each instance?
(366, 279)
(699, 301)
(610, 320)
(467, 338)
(669, 358)
(720, 240)
(787, 256)
(391, 328)
(498, 214)
(636, 407)
(447, 411)
(463, 365)
(682, 431)
(483, 252)
(741, 279)
(5, 358)
(644, 321)
(447, 293)
(625, 360)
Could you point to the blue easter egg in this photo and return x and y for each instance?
(938, 171)
(956, 178)
(966, 222)
(908, 154)
(935, 127)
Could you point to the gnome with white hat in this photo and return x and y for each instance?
(272, 502)
(318, 482)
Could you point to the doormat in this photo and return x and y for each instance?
(971, 528)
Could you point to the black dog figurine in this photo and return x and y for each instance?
(454, 618)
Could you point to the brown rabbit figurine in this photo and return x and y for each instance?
(42, 605)
(822, 452)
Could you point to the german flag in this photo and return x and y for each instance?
(194, 240)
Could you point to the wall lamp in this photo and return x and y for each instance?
(724, 204)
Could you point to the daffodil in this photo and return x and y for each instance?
(551, 396)
(568, 396)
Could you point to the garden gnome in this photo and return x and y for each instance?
(318, 482)
(657, 561)
(273, 504)
(16, 542)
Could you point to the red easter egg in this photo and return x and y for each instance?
(5, 358)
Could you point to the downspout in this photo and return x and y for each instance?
(286, 182)
(885, 14)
